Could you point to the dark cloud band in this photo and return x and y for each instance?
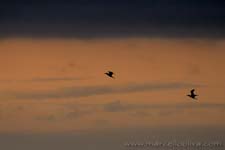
(74, 92)
(84, 19)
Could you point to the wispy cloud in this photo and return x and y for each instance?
(79, 112)
(46, 118)
(159, 109)
(117, 106)
(139, 109)
(74, 92)
(48, 79)
(53, 79)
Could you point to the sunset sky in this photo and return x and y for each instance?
(53, 56)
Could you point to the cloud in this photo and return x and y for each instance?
(69, 67)
(102, 122)
(46, 118)
(169, 112)
(77, 113)
(162, 109)
(53, 79)
(84, 19)
(49, 79)
(201, 105)
(115, 106)
(112, 139)
(74, 92)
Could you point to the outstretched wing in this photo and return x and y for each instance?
(110, 72)
(192, 92)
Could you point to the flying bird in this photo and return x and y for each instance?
(192, 95)
(110, 74)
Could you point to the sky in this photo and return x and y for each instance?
(53, 56)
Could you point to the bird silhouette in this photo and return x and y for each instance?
(110, 74)
(192, 95)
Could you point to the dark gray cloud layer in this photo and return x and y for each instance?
(98, 18)
(74, 92)
(112, 139)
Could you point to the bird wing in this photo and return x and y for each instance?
(192, 91)
(110, 72)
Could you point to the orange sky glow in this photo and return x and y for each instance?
(58, 85)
